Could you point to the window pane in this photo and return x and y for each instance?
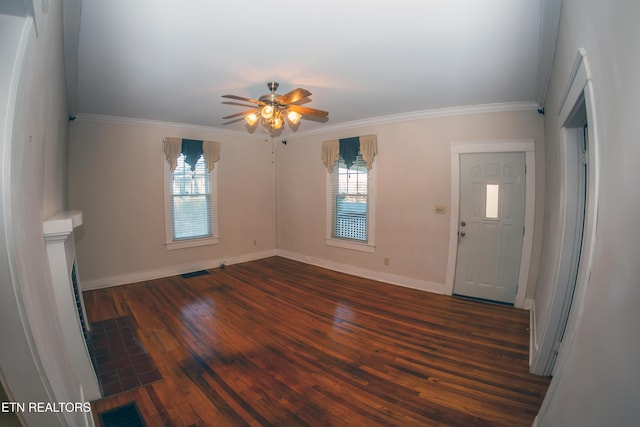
(191, 201)
(191, 217)
(350, 200)
(352, 181)
(351, 217)
(491, 208)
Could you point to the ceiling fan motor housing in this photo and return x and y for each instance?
(270, 98)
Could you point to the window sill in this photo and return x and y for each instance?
(362, 247)
(181, 244)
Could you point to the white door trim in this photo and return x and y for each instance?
(506, 146)
(580, 84)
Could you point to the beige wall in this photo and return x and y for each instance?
(413, 168)
(116, 179)
(597, 377)
(121, 196)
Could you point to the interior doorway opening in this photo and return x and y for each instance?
(559, 305)
(576, 147)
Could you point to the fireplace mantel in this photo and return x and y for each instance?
(59, 239)
(60, 226)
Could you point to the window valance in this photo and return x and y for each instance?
(348, 148)
(192, 150)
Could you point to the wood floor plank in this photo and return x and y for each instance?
(278, 342)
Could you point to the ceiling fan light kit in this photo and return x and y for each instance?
(294, 117)
(272, 109)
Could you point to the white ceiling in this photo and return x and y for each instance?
(172, 61)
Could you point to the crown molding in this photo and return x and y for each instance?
(427, 114)
(130, 121)
(393, 118)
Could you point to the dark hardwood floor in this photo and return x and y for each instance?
(277, 342)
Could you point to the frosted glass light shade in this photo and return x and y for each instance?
(251, 119)
(276, 123)
(294, 117)
(267, 111)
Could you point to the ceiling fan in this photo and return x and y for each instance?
(271, 109)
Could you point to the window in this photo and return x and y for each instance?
(350, 205)
(350, 202)
(491, 205)
(190, 203)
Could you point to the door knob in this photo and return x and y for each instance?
(463, 223)
(462, 234)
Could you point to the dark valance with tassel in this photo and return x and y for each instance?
(192, 150)
(349, 149)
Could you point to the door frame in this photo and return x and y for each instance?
(579, 89)
(501, 146)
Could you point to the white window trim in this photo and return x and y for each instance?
(190, 243)
(370, 246)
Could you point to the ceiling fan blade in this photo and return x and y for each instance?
(241, 98)
(306, 111)
(255, 110)
(232, 121)
(293, 96)
(238, 103)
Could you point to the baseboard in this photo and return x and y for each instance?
(174, 270)
(393, 279)
(528, 303)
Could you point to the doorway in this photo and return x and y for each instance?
(559, 303)
(575, 149)
(521, 264)
(492, 201)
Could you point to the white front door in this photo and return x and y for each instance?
(491, 225)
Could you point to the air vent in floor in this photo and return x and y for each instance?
(194, 274)
(123, 416)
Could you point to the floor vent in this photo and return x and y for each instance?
(194, 274)
(123, 416)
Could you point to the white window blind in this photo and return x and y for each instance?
(191, 201)
(350, 190)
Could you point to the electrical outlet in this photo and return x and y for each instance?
(255, 243)
(441, 209)
(386, 261)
